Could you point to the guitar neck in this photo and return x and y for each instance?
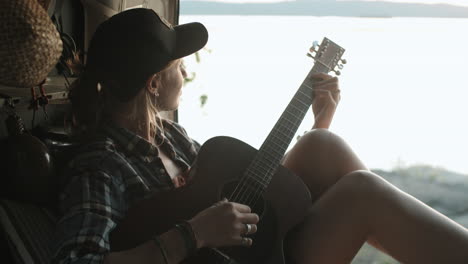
(274, 147)
(261, 170)
(286, 127)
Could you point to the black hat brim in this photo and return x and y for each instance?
(190, 38)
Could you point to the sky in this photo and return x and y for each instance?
(404, 88)
(452, 2)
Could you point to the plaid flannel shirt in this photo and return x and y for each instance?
(107, 178)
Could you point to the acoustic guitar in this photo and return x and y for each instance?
(227, 167)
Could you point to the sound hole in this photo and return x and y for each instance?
(265, 238)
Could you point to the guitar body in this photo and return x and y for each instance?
(220, 165)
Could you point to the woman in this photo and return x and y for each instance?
(134, 70)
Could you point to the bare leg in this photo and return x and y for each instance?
(360, 207)
(321, 158)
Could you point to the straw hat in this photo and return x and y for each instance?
(30, 45)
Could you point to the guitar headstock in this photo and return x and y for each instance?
(327, 56)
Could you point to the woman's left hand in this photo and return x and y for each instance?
(326, 96)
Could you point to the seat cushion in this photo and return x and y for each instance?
(28, 230)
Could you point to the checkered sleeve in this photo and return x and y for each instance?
(189, 145)
(92, 203)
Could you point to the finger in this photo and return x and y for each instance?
(249, 218)
(332, 79)
(243, 241)
(333, 89)
(222, 201)
(242, 208)
(332, 98)
(328, 96)
(335, 95)
(320, 76)
(326, 85)
(252, 230)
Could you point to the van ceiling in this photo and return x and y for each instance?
(97, 11)
(87, 15)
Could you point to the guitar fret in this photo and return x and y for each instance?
(304, 91)
(305, 94)
(306, 85)
(277, 151)
(282, 133)
(298, 107)
(278, 133)
(280, 146)
(294, 112)
(289, 118)
(289, 121)
(259, 164)
(271, 152)
(267, 156)
(257, 180)
(285, 131)
(278, 143)
(304, 104)
(268, 166)
(262, 167)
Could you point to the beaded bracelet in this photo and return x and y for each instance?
(161, 247)
(185, 229)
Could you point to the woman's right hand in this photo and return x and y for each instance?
(224, 224)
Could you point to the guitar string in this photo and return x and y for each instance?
(252, 197)
(293, 132)
(250, 168)
(240, 195)
(245, 195)
(257, 159)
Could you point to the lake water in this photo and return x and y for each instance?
(404, 89)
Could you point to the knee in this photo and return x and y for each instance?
(363, 185)
(316, 135)
(329, 147)
(323, 139)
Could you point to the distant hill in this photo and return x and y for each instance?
(324, 8)
(443, 190)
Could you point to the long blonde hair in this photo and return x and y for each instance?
(92, 104)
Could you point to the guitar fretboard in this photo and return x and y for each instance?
(259, 173)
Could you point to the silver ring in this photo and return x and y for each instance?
(249, 228)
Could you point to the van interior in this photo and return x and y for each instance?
(34, 142)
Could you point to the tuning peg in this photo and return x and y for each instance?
(340, 66)
(314, 48)
(344, 61)
(310, 55)
(338, 73)
(315, 45)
